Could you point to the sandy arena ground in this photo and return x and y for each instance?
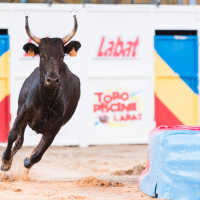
(56, 175)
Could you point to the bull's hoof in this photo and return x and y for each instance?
(27, 163)
(6, 164)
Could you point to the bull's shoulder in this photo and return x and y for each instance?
(33, 75)
(76, 79)
(71, 94)
(27, 85)
(72, 76)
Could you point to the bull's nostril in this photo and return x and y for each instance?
(48, 80)
(57, 80)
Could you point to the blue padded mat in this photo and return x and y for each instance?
(173, 164)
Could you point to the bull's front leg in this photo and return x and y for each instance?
(19, 141)
(16, 133)
(39, 151)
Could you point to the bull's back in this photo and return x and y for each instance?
(26, 87)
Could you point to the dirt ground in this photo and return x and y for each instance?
(73, 173)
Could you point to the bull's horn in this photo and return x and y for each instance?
(70, 36)
(28, 31)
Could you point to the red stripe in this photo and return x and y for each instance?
(4, 118)
(163, 115)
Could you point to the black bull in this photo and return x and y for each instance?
(48, 97)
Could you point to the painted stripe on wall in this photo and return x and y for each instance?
(4, 74)
(5, 118)
(4, 88)
(164, 115)
(4, 45)
(181, 55)
(174, 93)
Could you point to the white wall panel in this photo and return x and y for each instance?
(129, 74)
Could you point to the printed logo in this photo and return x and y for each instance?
(118, 48)
(117, 107)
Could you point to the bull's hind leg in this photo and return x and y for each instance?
(38, 152)
(16, 133)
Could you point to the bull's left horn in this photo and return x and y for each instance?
(71, 35)
(28, 31)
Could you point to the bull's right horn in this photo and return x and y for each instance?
(73, 32)
(28, 31)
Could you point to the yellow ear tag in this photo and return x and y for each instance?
(73, 53)
(30, 52)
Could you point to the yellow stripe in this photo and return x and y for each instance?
(4, 75)
(175, 93)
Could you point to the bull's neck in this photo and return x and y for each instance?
(49, 96)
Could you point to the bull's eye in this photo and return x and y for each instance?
(42, 58)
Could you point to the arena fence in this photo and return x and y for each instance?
(157, 2)
(134, 69)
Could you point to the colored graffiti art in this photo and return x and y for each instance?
(117, 107)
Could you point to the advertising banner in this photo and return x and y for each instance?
(119, 108)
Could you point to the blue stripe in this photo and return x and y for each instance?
(4, 44)
(181, 54)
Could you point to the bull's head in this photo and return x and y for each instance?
(51, 52)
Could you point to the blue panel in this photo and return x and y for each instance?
(4, 44)
(181, 55)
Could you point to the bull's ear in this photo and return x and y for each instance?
(31, 49)
(72, 48)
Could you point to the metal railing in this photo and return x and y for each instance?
(168, 2)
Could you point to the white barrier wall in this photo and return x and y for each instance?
(115, 65)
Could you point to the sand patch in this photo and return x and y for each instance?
(100, 170)
(137, 170)
(18, 190)
(73, 197)
(12, 177)
(50, 179)
(92, 181)
(4, 188)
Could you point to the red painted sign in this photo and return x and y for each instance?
(118, 48)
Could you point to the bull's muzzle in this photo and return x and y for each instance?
(52, 82)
